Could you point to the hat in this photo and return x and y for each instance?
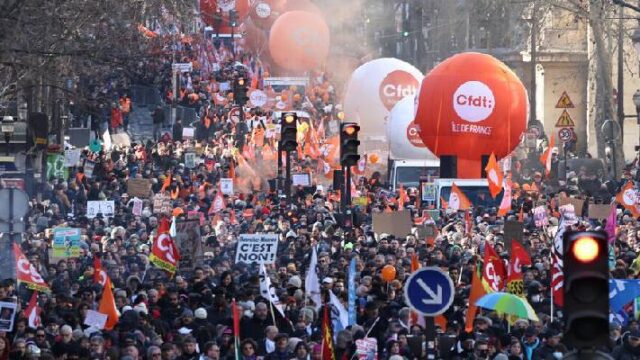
(531, 331)
(292, 234)
(295, 282)
(200, 313)
(327, 280)
(227, 331)
(485, 319)
(141, 308)
(615, 326)
(635, 333)
(187, 313)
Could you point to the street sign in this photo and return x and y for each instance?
(182, 67)
(565, 120)
(565, 134)
(564, 102)
(429, 291)
(20, 201)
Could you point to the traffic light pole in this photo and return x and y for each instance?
(279, 173)
(347, 187)
(287, 185)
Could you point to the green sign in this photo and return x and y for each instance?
(56, 168)
(66, 242)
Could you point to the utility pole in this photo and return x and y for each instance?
(620, 93)
(534, 63)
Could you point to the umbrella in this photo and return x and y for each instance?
(505, 303)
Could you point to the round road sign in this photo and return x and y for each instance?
(565, 134)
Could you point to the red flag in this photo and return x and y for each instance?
(164, 253)
(468, 223)
(32, 312)
(495, 176)
(557, 281)
(628, 197)
(457, 199)
(26, 273)
(108, 306)
(218, 203)
(99, 275)
(327, 338)
(236, 326)
(519, 257)
(493, 273)
(545, 158)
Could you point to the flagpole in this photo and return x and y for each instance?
(273, 315)
(551, 287)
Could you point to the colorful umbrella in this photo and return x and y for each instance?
(505, 303)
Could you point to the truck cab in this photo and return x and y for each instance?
(477, 190)
(409, 172)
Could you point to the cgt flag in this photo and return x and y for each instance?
(519, 257)
(493, 273)
(164, 253)
(99, 275)
(32, 312)
(26, 273)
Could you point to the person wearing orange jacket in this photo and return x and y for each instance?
(125, 108)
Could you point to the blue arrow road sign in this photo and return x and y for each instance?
(429, 291)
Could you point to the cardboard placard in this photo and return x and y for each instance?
(137, 207)
(397, 224)
(578, 204)
(540, 216)
(257, 248)
(161, 204)
(140, 188)
(190, 160)
(7, 315)
(72, 157)
(599, 211)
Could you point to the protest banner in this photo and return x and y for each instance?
(540, 216)
(7, 315)
(106, 208)
(226, 186)
(257, 248)
(188, 133)
(397, 224)
(88, 168)
(599, 211)
(189, 244)
(367, 349)
(136, 210)
(301, 179)
(72, 157)
(140, 188)
(95, 319)
(190, 160)
(66, 242)
(161, 204)
(578, 204)
(56, 168)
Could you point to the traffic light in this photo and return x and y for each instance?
(289, 131)
(349, 144)
(586, 288)
(240, 91)
(233, 18)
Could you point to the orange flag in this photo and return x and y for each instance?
(166, 183)
(444, 203)
(108, 306)
(505, 204)
(545, 158)
(457, 199)
(495, 177)
(477, 291)
(628, 198)
(402, 197)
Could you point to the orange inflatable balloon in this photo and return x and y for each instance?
(299, 41)
(388, 273)
(471, 105)
(373, 158)
(301, 5)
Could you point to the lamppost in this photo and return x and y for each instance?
(7, 130)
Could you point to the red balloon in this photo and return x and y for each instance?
(208, 9)
(301, 5)
(299, 41)
(471, 105)
(265, 12)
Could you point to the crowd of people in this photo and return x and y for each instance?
(189, 314)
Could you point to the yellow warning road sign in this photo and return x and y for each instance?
(564, 102)
(565, 120)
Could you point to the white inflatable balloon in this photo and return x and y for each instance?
(374, 88)
(403, 134)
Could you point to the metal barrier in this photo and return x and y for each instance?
(145, 96)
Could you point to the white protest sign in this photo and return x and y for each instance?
(188, 132)
(95, 319)
(540, 216)
(106, 140)
(226, 186)
(106, 208)
(568, 214)
(301, 179)
(72, 157)
(182, 67)
(88, 168)
(137, 207)
(190, 160)
(257, 248)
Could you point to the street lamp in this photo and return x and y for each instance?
(7, 130)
